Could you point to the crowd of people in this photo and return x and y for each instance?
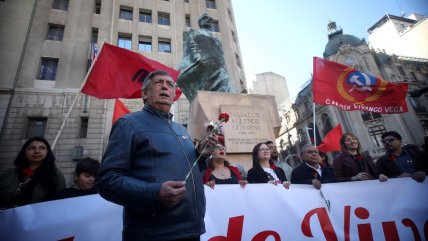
(148, 168)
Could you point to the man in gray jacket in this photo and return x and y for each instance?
(144, 168)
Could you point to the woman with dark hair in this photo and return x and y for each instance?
(264, 171)
(351, 164)
(220, 171)
(34, 177)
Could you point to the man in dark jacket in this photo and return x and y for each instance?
(144, 168)
(399, 161)
(310, 171)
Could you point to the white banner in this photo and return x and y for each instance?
(370, 210)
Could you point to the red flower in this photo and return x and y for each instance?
(358, 157)
(392, 157)
(223, 117)
(28, 172)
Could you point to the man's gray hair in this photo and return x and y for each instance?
(305, 147)
(150, 76)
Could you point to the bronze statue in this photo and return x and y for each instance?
(203, 66)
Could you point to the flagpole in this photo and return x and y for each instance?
(74, 101)
(315, 136)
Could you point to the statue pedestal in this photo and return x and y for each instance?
(252, 119)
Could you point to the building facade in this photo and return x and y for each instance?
(352, 51)
(44, 60)
(402, 36)
(270, 83)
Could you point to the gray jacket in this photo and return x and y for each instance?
(146, 149)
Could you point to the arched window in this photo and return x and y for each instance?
(301, 136)
(325, 119)
(311, 135)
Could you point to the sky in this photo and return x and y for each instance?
(282, 36)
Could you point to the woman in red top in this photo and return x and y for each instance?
(220, 171)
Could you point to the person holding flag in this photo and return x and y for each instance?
(145, 166)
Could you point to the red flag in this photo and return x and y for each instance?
(119, 73)
(120, 109)
(331, 141)
(345, 87)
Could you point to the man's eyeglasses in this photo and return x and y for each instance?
(264, 149)
(388, 140)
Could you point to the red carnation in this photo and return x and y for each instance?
(392, 157)
(315, 174)
(28, 172)
(223, 117)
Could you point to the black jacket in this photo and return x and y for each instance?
(303, 174)
(390, 168)
(258, 175)
(146, 149)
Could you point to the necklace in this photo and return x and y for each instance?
(222, 173)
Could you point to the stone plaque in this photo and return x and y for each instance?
(246, 127)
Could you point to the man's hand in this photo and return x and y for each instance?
(361, 176)
(316, 183)
(383, 178)
(419, 176)
(171, 193)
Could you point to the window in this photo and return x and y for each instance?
(417, 105)
(145, 43)
(400, 69)
(301, 136)
(230, 15)
(55, 32)
(124, 41)
(48, 68)
(287, 118)
(94, 36)
(83, 127)
(413, 76)
(307, 106)
(296, 113)
(234, 37)
(238, 60)
(313, 137)
(187, 19)
(36, 127)
(163, 19)
(325, 119)
(145, 16)
(186, 1)
(125, 13)
(376, 134)
(97, 9)
(211, 4)
(60, 4)
(165, 45)
(215, 27)
(370, 116)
